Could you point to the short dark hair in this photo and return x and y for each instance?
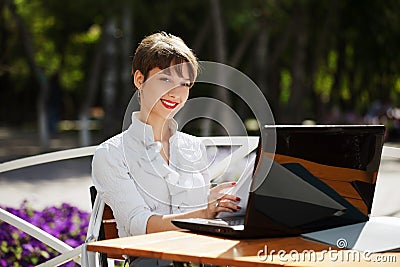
(163, 50)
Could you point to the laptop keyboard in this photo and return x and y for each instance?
(232, 221)
(229, 221)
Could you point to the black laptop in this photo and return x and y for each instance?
(305, 179)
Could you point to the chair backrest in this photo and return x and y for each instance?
(67, 253)
(108, 228)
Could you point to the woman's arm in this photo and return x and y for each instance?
(217, 202)
(114, 184)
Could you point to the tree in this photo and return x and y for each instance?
(308, 57)
(38, 72)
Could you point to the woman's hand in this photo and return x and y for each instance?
(218, 201)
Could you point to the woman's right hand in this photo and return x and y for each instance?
(221, 202)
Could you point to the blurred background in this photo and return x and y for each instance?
(65, 65)
(65, 77)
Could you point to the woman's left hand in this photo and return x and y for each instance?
(219, 202)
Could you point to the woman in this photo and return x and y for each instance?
(152, 173)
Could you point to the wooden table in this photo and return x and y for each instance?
(189, 247)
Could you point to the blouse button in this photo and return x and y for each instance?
(156, 146)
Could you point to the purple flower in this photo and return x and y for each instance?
(28, 247)
(66, 222)
(73, 242)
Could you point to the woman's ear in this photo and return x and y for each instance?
(138, 79)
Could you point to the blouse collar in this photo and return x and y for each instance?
(151, 161)
(144, 131)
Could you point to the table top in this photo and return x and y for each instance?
(190, 247)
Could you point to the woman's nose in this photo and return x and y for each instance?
(174, 92)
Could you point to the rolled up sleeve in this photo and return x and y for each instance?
(115, 185)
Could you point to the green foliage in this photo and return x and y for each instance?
(286, 83)
(351, 56)
(91, 36)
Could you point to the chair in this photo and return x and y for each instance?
(67, 252)
(108, 229)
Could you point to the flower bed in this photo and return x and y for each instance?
(65, 222)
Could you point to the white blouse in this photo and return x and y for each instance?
(136, 182)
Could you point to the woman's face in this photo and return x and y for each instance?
(164, 92)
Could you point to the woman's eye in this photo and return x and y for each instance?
(188, 84)
(164, 79)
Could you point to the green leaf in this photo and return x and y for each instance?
(34, 259)
(4, 247)
(45, 254)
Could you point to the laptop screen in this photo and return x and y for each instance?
(316, 177)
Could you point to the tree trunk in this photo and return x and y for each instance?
(298, 93)
(127, 51)
(85, 138)
(201, 36)
(219, 33)
(262, 56)
(221, 93)
(274, 67)
(320, 56)
(37, 71)
(240, 49)
(110, 79)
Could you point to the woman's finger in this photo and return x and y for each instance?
(223, 186)
(223, 209)
(229, 197)
(228, 205)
